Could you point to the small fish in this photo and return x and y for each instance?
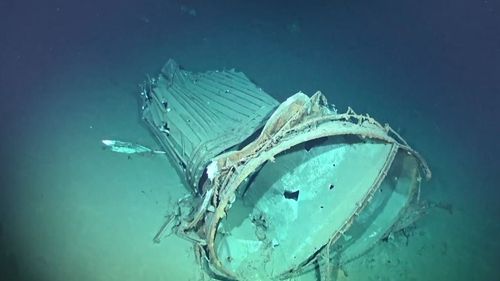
(129, 148)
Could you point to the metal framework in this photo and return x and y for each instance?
(277, 188)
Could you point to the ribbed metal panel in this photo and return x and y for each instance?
(196, 116)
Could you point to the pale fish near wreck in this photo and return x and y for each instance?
(129, 148)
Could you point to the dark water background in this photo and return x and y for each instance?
(429, 68)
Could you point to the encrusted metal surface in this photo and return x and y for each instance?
(203, 126)
(196, 116)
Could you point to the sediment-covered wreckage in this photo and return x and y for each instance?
(277, 188)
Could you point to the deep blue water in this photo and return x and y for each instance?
(429, 68)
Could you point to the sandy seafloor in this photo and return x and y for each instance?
(71, 211)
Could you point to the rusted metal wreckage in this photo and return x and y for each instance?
(277, 188)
